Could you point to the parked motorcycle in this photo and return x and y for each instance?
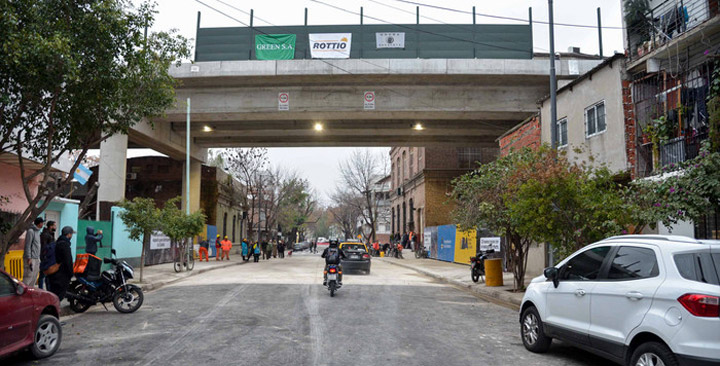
(477, 265)
(332, 281)
(110, 286)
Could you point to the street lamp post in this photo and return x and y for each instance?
(187, 160)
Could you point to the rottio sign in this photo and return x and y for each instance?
(330, 45)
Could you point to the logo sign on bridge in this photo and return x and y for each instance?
(283, 101)
(369, 100)
(330, 45)
(490, 243)
(275, 46)
(390, 40)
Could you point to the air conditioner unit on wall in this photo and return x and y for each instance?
(131, 176)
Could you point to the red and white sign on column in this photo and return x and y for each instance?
(283, 101)
(369, 100)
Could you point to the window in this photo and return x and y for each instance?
(595, 119)
(562, 139)
(7, 287)
(419, 157)
(584, 266)
(700, 267)
(404, 167)
(631, 263)
(469, 156)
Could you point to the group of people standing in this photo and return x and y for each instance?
(47, 261)
(255, 249)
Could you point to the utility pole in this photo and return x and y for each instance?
(599, 32)
(187, 160)
(553, 82)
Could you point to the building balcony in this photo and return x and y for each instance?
(681, 149)
(671, 24)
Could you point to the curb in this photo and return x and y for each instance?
(499, 296)
(65, 310)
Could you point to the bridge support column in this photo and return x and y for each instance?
(111, 173)
(195, 175)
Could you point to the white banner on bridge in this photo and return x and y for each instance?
(330, 45)
(158, 240)
(390, 40)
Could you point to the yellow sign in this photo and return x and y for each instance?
(465, 245)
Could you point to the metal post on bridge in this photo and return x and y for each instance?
(361, 32)
(473, 33)
(417, 31)
(306, 33)
(252, 34)
(599, 32)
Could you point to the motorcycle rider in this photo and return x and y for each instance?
(333, 255)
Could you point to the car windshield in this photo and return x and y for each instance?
(354, 247)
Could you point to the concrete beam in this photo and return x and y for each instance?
(161, 138)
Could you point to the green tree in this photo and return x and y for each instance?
(72, 74)
(141, 218)
(178, 225)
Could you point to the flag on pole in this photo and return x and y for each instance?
(82, 174)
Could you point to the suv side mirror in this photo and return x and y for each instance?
(551, 273)
(113, 251)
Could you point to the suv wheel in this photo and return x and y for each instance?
(47, 337)
(653, 354)
(532, 332)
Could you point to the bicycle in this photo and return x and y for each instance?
(421, 253)
(184, 258)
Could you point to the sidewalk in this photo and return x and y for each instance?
(459, 275)
(159, 275)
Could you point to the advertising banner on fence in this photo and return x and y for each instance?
(330, 45)
(158, 240)
(275, 46)
(465, 245)
(390, 39)
(446, 243)
(490, 243)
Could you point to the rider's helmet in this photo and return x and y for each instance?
(333, 243)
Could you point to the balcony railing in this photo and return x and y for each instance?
(668, 20)
(681, 149)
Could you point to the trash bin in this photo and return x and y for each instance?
(382, 254)
(493, 272)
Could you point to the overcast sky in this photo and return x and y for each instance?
(319, 165)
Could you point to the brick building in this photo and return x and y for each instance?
(421, 181)
(524, 134)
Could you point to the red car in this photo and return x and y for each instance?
(28, 319)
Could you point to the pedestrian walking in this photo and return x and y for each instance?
(245, 250)
(31, 254)
(281, 249)
(60, 280)
(411, 241)
(47, 236)
(92, 239)
(204, 246)
(226, 246)
(404, 240)
(265, 250)
(256, 252)
(274, 249)
(376, 248)
(218, 248)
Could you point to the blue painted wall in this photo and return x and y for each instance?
(446, 242)
(123, 245)
(68, 217)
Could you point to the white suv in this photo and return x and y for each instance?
(640, 300)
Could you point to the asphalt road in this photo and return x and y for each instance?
(278, 313)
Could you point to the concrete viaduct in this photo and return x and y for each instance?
(459, 102)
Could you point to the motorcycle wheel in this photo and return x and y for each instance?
(128, 301)
(474, 275)
(76, 305)
(332, 289)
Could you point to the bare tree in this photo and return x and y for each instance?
(360, 173)
(347, 211)
(248, 166)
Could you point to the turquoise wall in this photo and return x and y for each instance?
(121, 242)
(68, 217)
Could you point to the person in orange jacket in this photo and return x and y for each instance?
(218, 248)
(226, 246)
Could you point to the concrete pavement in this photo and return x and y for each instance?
(277, 313)
(459, 275)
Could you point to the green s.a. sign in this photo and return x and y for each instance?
(275, 46)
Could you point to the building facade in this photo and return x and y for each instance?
(421, 180)
(524, 134)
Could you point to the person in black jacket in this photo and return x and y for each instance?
(60, 280)
(92, 239)
(47, 236)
